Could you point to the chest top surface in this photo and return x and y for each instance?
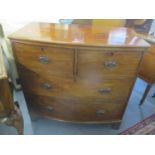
(84, 35)
(2, 67)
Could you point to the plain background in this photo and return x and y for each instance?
(17, 12)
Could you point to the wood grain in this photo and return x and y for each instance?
(83, 35)
(85, 110)
(91, 87)
(5, 98)
(93, 63)
(60, 59)
(89, 74)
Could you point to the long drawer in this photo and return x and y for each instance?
(45, 59)
(107, 64)
(115, 89)
(56, 86)
(69, 109)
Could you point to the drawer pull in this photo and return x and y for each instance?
(50, 108)
(104, 90)
(100, 112)
(110, 64)
(44, 59)
(46, 86)
(42, 49)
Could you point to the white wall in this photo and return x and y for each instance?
(10, 26)
(16, 13)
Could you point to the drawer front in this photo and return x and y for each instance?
(105, 89)
(42, 85)
(45, 60)
(55, 86)
(85, 110)
(108, 64)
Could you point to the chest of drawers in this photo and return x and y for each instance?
(9, 112)
(75, 73)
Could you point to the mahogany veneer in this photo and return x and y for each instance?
(77, 73)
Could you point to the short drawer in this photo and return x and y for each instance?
(67, 109)
(108, 64)
(45, 59)
(105, 89)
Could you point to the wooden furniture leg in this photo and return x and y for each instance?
(15, 119)
(145, 93)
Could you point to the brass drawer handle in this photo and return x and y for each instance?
(104, 90)
(49, 108)
(110, 64)
(46, 86)
(43, 59)
(100, 112)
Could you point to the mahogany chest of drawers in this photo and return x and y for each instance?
(77, 73)
(9, 112)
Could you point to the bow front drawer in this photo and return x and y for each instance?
(108, 64)
(106, 89)
(84, 110)
(45, 59)
(55, 86)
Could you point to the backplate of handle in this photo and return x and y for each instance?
(104, 90)
(46, 86)
(50, 108)
(100, 112)
(43, 59)
(110, 64)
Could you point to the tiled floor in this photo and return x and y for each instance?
(133, 114)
